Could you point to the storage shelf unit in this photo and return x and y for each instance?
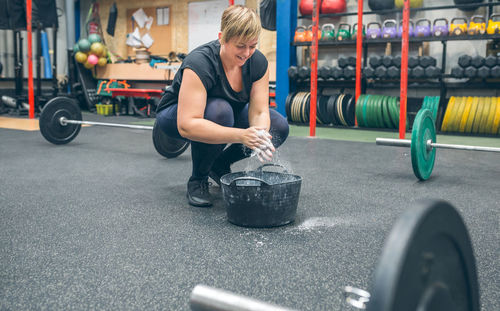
(283, 87)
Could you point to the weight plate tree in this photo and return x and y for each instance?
(423, 142)
(61, 120)
(427, 264)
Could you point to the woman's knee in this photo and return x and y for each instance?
(219, 111)
(279, 128)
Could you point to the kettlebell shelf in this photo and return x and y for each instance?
(398, 40)
(432, 8)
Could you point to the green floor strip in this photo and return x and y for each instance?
(361, 135)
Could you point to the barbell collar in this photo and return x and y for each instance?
(65, 121)
(205, 298)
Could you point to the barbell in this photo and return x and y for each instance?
(423, 144)
(427, 264)
(61, 120)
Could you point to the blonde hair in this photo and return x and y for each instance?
(240, 22)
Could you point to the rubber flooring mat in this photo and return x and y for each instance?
(103, 223)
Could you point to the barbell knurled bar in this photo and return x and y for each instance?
(61, 120)
(65, 121)
(407, 143)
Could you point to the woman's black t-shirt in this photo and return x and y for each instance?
(206, 63)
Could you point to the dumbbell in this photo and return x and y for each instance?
(470, 72)
(413, 61)
(464, 61)
(304, 72)
(432, 72)
(495, 71)
(337, 73)
(396, 61)
(387, 60)
(381, 72)
(490, 61)
(293, 73)
(346, 61)
(375, 61)
(477, 61)
(426, 61)
(369, 72)
(324, 72)
(418, 72)
(349, 72)
(457, 72)
(483, 72)
(393, 72)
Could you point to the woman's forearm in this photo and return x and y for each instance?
(209, 132)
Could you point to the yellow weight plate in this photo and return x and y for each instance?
(496, 119)
(465, 116)
(486, 111)
(479, 115)
(447, 114)
(486, 114)
(472, 115)
(457, 116)
(491, 115)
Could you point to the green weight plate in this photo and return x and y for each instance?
(393, 109)
(378, 112)
(422, 159)
(387, 123)
(436, 108)
(364, 114)
(388, 112)
(427, 263)
(374, 112)
(50, 126)
(369, 111)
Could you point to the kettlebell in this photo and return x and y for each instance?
(411, 28)
(423, 28)
(373, 32)
(344, 32)
(440, 30)
(354, 33)
(494, 24)
(300, 34)
(328, 32)
(389, 29)
(477, 25)
(309, 33)
(413, 3)
(457, 28)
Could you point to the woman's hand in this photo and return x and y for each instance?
(259, 140)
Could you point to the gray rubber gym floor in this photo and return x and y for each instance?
(103, 223)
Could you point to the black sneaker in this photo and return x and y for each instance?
(216, 173)
(198, 194)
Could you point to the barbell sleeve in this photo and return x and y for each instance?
(205, 298)
(393, 142)
(65, 121)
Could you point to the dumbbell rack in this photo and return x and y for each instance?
(440, 84)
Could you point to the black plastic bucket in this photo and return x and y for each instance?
(260, 198)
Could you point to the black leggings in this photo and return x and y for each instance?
(220, 111)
